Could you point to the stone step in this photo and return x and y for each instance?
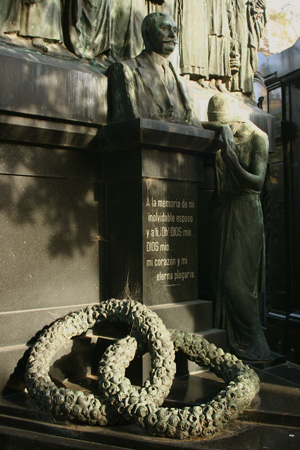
(81, 356)
(138, 371)
(272, 418)
(192, 316)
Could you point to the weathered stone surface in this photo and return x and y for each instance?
(50, 86)
(37, 131)
(50, 250)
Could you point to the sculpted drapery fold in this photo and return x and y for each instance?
(218, 39)
(10, 16)
(42, 19)
(192, 31)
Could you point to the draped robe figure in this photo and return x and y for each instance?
(219, 17)
(191, 17)
(237, 247)
(240, 80)
(89, 27)
(126, 21)
(249, 22)
(256, 19)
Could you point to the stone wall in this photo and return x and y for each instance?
(51, 110)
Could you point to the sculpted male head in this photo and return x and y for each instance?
(159, 33)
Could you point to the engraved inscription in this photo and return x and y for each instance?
(170, 237)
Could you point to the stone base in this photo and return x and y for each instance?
(190, 316)
(272, 421)
(274, 361)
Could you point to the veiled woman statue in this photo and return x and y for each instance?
(237, 228)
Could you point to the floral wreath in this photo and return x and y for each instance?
(146, 327)
(202, 420)
(118, 398)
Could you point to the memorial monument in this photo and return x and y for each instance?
(102, 114)
(148, 87)
(154, 131)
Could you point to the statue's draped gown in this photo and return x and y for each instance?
(238, 258)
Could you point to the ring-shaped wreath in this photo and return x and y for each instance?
(201, 420)
(147, 328)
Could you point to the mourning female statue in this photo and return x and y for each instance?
(237, 228)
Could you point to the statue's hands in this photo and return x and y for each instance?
(230, 158)
(228, 153)
(227, 135)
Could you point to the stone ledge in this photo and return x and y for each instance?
(40, 131)
(159, 134)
